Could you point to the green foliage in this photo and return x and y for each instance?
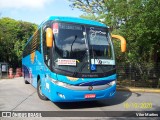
(93, 9)
(13, 36)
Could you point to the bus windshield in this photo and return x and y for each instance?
(77, 47)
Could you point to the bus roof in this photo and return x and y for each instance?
(74, 20)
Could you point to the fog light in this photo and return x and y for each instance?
(61, 95)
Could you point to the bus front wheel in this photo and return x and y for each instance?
(39, 91)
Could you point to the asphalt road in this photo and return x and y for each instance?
(17, 96)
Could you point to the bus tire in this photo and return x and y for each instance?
(39, 92)
(25, 81)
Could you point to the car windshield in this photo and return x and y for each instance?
(79, 46)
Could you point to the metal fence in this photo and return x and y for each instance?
(138, 76)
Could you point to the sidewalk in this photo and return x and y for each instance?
(134, 89)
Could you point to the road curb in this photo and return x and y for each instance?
(138, 89)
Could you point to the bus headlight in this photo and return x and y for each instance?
(58, 82)
(112, 83)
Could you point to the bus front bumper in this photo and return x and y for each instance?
(80, 93)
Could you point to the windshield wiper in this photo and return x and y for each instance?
(73, 42)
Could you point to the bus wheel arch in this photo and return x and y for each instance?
(39, 91)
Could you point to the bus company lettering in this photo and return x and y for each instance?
(94, 32)
(71, 62)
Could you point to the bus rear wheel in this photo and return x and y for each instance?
(25, 81)
(39, 91)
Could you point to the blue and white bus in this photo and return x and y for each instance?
(71, 59)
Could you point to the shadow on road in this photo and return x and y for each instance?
(120, 97)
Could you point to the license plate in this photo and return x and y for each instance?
(90, 95)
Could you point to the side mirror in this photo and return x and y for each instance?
(123, 42)
(49, 37)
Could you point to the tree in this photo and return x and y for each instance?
(13, 36)
(94, 9)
